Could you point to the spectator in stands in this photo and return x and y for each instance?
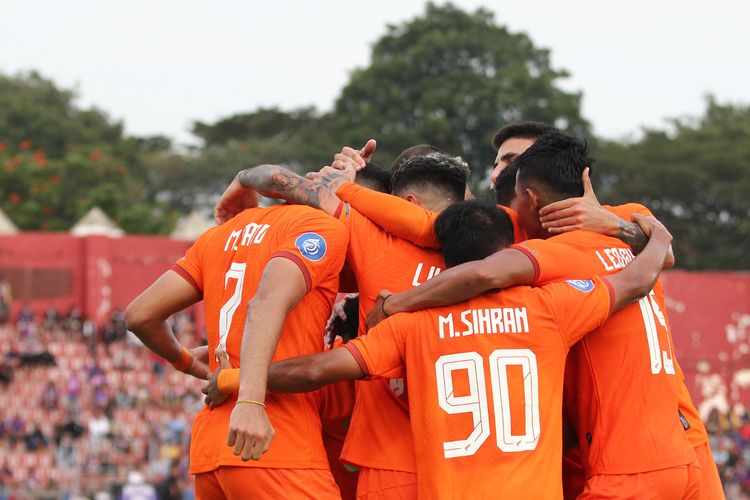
(74, 321)
(51, 319)
(25, 317)
(73, 391)
(99, 428)
(5, 300)
(15, 429)
(50, 396)
(6, 372)
(33, 351)
(35, 440)
(137, 489)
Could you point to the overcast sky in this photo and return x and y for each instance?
(160, 64)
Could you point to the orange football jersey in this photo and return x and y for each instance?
(621, 390)
(403, 219)
(696, 431)
(485, 385)
(379, 435)
(225, 265)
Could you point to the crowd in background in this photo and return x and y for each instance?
(91, 412)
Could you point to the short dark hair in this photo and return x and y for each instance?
(375, 178)
(436, 171)
(472, 230)
(418, 150)
(505, 185)
(525, 130)
(556, 161)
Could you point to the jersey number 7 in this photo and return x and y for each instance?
(236, 272)
(476, 401)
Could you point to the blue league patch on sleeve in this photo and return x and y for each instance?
(312, 246)
(584, 286)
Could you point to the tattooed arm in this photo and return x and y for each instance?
(273, 181)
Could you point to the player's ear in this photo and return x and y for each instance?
(413, 199)
(533, 200)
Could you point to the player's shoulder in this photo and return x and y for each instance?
(563, 292)
(626, 210)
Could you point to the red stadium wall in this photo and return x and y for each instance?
(709, 313)
(96, 273)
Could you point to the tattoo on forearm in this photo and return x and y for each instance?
(333, 180)
(632, 234)
(278, 182)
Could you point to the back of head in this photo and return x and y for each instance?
(525, 130)
(418, 150)
(375, 178)
(472, 230)
(436, 172)
(554, 164)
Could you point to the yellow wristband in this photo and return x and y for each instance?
(250, 402)
(185, 362)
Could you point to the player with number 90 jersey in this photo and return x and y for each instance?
(485, 385)
(225, 265)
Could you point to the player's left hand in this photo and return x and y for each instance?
(584, 213)
(250, 431)
(234, 200)
(214, 397)
(378, 312)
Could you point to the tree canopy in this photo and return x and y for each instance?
(696, 179)
(447, 77)
(452, 78)
(58, 160)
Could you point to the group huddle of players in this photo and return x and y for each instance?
(517, 349)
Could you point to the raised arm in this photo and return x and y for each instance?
(503, 269)
(395, 215)
(273, 181)
(638, 277)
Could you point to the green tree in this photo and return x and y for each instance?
(33, 108)
(58, 160)
(452, 78)
(695, 178)
(300, 139)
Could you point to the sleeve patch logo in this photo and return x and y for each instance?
(312, 246)
(584, 286)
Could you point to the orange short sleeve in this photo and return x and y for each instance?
(579, 306)
(628, 209)
(380, 353)
(546, 256)
(189, 266)
(319, 249)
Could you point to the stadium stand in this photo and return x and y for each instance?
(92, 414)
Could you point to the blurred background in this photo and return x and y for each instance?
(121, 124)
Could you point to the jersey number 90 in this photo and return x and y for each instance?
(476, 401)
